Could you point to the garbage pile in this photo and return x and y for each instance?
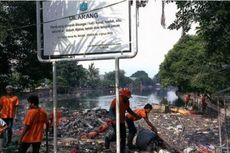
(185, 132)
(80, 131)
(84, 132)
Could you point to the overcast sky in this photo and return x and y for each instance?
(153, 42)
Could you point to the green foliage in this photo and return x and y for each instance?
(70, 74)
(19, 64)
(140, 74)
(141, 79)
(187, 67)
(106, 84)
(214, 26)
(214, 34)
(137, 84)
(146, 81)
(93, 79)
(156, 79)
(123, 80)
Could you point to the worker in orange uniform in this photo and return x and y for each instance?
(8, 109)
(204, 103)
(51, 119)
(124, 95)
(34, 122)
(187, 100)
(143, 113)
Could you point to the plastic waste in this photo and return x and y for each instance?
(163, 151)
(189, 150)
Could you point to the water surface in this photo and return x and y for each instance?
(103, 99)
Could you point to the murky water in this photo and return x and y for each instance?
(102, 100)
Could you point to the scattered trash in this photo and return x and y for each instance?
(74, 150)
(181, 110)
(163, 151)
(179, 127)
(180, 131)
(189, 150)
(84, 132)
(205, 149)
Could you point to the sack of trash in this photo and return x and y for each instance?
(146, 140)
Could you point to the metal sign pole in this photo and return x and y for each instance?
(117, 105)
(54, 108)
(129, 49)
(226, 124)
(219, 122)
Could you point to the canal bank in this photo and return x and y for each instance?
(180, 132)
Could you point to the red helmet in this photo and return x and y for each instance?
(125, 92)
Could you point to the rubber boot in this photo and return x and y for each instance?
(107, 142)
(9, 137)
(1, 144)
(130, 141)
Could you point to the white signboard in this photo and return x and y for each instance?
(86, 27)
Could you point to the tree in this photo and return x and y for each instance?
(19, 63)
(214, 30)
(93, 76)
(187, 67)
(142, 79)
(214, 26)
(140, 74)
(70, 74)
(123, 80)
(156, 79)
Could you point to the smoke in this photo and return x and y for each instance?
(171, 96)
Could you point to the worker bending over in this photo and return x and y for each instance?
(143, 113)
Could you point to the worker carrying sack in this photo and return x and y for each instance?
(145, 139)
